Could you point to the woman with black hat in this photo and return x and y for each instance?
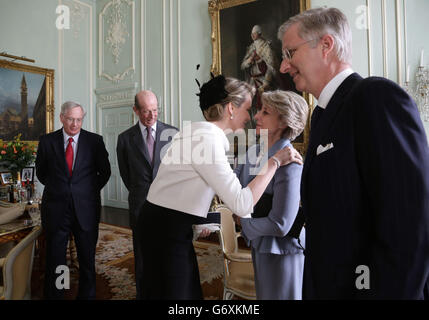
(193, 170)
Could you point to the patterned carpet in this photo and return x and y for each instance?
(115, 267)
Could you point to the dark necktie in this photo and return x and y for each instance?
(315, 116)
(149, 142)
(69, 156)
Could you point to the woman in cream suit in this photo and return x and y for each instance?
(278, 258)
(193, 170)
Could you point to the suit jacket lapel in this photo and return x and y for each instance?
(325, 123)
(82, 145)
(59, 150)
(140, 144)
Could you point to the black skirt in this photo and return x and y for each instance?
(170, 268)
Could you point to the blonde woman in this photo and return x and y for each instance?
(278, 258)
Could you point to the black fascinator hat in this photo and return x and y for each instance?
(212, 92)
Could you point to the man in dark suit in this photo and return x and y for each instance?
(365, 182)
(139, 156)
(73, 165)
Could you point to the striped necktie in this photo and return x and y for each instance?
(150, 143)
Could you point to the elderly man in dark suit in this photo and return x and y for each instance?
(365, 182)
(139, 156)
(73, 165)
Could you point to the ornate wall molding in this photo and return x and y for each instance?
(118, 96)
(114, 22)
(77, 16)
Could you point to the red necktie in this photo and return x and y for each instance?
(69, 156)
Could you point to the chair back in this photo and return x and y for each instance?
(238, 267)
(228, 234)
(18, 266)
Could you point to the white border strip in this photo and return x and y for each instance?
(368, 25)
(91, 64)
(171, 65)
(398, 41)
(179, 58)
(60, 67)
(384, 27)
(142, 44)
(405, 34)
(164, 58)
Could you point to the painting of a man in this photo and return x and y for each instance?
(249, 47)
(259, 65)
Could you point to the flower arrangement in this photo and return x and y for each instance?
(16, 155)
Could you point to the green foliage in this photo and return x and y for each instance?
(16, 154)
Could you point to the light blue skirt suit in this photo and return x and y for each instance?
(278, 259)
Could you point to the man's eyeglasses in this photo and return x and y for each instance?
(71, 120)
(288, 53)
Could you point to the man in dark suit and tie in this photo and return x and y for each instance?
(73, 165)
(365, 181)
(139, 150)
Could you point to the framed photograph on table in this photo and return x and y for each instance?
(6, 178)
(27, 174)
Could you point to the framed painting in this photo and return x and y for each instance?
(26, 101)
(241, 26)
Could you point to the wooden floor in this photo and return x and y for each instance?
(115, 216)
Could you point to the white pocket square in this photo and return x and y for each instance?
(321, 149)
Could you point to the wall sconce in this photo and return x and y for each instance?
(421, 93)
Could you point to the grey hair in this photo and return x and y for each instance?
(237, 94)
(68, 105)
(292, 109)
(317, 22)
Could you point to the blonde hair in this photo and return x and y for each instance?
(237, 94)
(292, 109)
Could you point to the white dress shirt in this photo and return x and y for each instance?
(332, 86)
(74, 144)
(144, 131)
(194, 169)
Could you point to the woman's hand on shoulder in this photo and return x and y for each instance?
(288, 155)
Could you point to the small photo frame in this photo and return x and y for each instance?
(27, 173)
(6, 178)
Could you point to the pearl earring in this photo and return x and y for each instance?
(231, 117)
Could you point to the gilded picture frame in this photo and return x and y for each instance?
(232, 22)
(26, 101)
